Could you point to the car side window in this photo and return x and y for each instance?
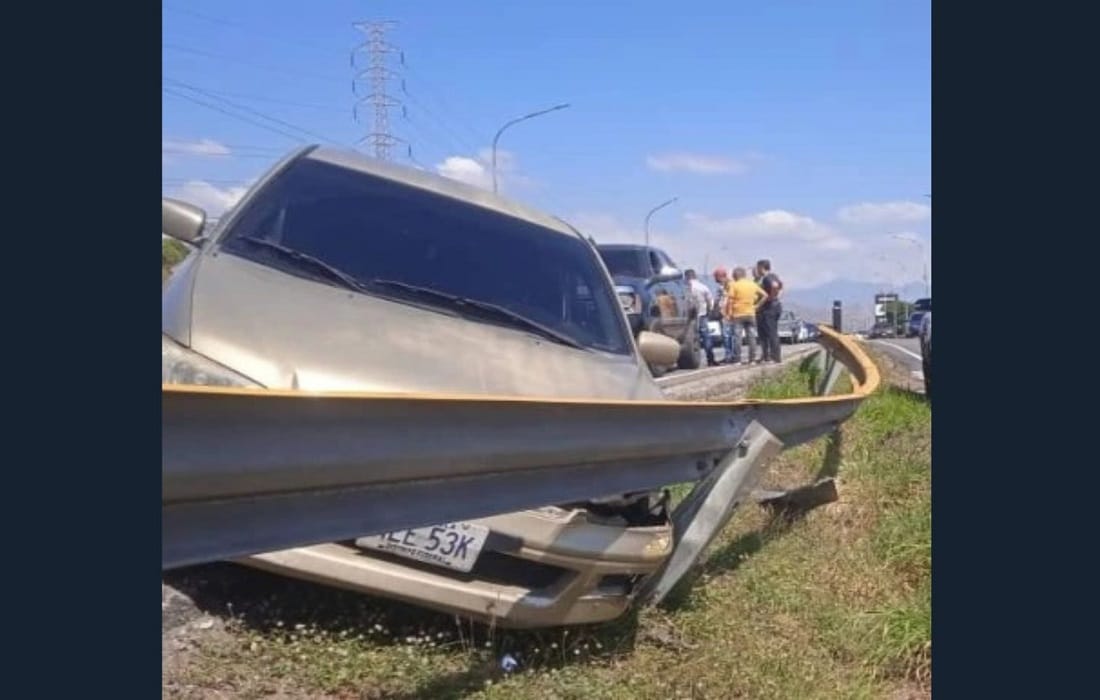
(654, 261)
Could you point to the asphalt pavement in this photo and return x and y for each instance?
(788, 352)
(905, 350)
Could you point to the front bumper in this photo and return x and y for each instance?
(539, 568)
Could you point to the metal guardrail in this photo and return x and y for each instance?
(248, 471)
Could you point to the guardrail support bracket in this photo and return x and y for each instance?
(709, 507)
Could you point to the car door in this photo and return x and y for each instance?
(674, 308)
(660, 300)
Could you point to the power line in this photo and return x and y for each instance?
(273, 100)
(474, 137)
(217, 108)
(231, 146)
(243, 62)
(231, 154)
(285, 123)
(376, 74)
(426, 136)
(241, 25)
(463, 144)
(444, 106)
(212, 181)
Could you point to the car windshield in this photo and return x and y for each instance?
(626, 262)
(922, 305)
(390, 239)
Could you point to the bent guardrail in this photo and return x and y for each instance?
(249, 471)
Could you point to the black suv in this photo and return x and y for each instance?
(655, 296)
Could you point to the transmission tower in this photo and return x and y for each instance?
(369, 85)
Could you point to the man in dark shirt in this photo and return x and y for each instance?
(767, 316)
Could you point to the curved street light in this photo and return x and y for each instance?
(517, 121)
(653, 211)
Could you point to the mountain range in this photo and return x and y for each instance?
(857, 300)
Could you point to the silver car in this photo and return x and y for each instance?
(339, 272)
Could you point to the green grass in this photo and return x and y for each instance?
(833, 604)
(172, 253)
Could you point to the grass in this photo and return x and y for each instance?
(832, 603)
(172, 253)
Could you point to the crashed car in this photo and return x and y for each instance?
(340, 272)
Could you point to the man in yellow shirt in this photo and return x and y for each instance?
(743, 298)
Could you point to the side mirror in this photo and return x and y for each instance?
(656, 349)
(668, 273)
(181, 220)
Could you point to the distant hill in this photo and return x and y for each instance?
(857, 300)
(851, 292)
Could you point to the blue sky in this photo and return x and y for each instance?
(798, 131)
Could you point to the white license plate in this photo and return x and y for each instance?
(452, 546)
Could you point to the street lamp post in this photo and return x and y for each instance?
(517, 121)
(653, 211)
(924, 260)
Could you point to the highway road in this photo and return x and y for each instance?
(905, 350)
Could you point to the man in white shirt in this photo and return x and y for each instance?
(704, 302)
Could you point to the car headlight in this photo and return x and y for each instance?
(629, 300)
(178, 365)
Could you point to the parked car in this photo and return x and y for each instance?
(884, 329)
(912, 329)
(791, 328)
(926, 353)
(340, 272)
(655, 296)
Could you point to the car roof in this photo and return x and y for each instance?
(623, 246)
(436, 184)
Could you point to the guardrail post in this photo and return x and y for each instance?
(830, 378)
(710, 505)
(829, 375)
(820, 361)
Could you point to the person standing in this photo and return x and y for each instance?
(926, 353)
(767, 314)
(704, 302)
(721, 280)
(745, 296)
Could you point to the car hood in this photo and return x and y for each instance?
(629, 281)
(290, 333)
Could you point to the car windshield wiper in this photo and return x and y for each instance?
(333, 273)
(484, 308)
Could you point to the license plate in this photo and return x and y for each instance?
(452, 546)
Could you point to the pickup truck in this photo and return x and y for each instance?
(655, 297)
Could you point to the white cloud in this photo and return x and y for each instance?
(467, 170)
(212, 199)
(884, 213)
(477, 171)
(804, 251)
(202, 147)
(773, 224)
(697, 163)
